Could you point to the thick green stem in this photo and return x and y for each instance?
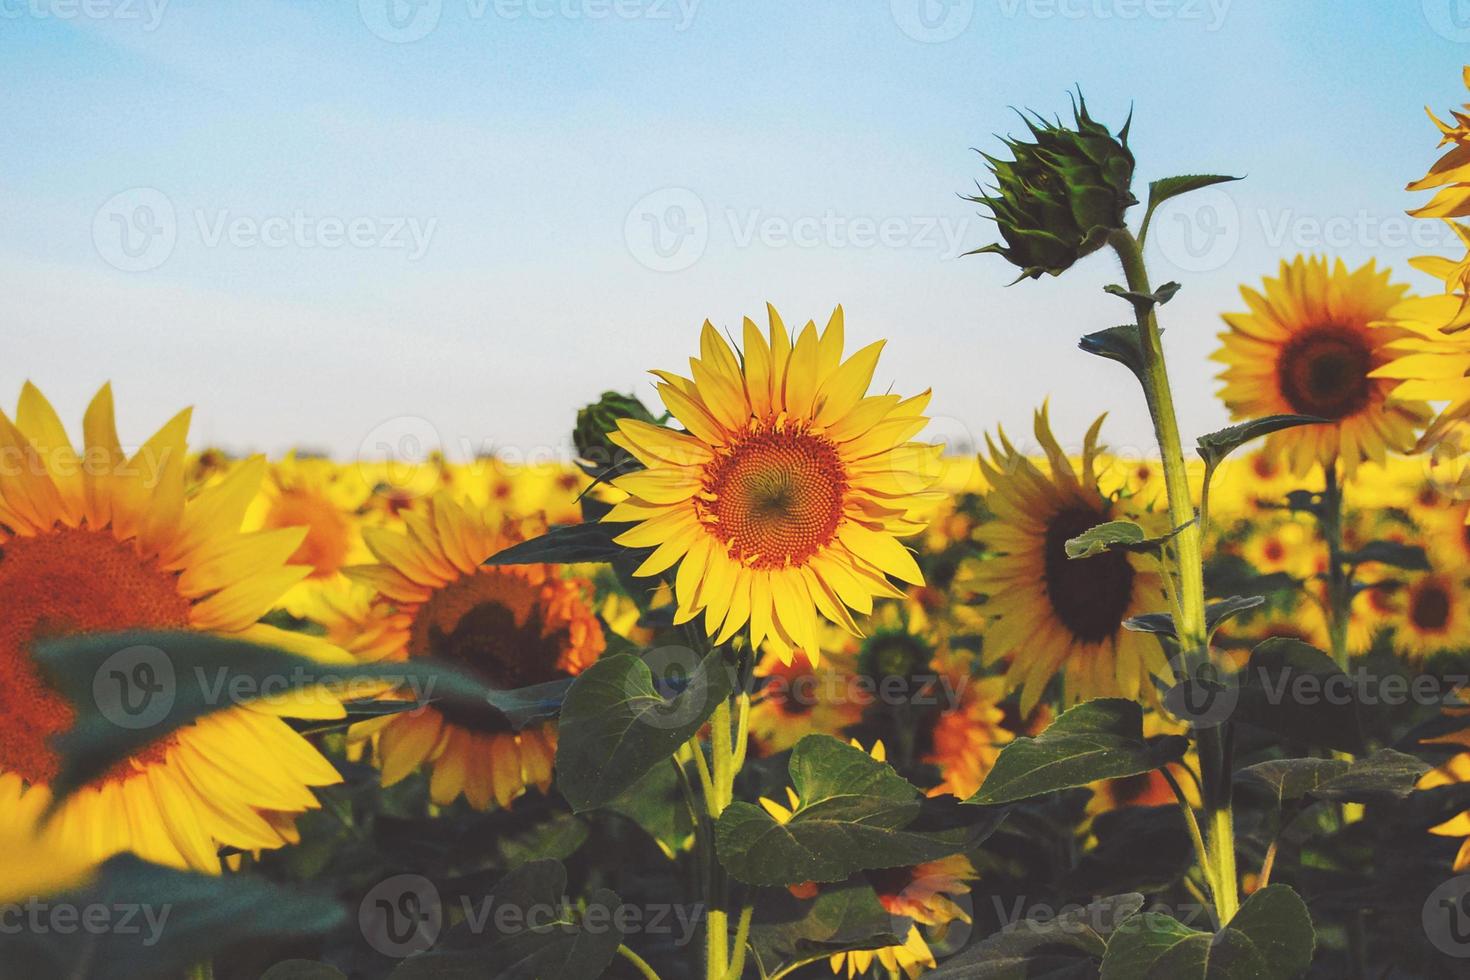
(1189, 555)
(639, 963)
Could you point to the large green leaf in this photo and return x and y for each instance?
(1095, 740)
(1119, 344)
(1397, 554)
(616, 724)
(656, 803)
(526, 930)
(842, 916)
(1293, 689)
(155, 922)
(1270, 938)
(1384, 775)
(855, 814)
(567, 544)
(1215, 446)
(132, 689)
(1067, 946)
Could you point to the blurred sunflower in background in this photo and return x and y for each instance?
(1049, 614)
(98, 541)
(1432, 614)
(1314, 342)
(787, 492)
(924, 893)
(514, 626)
(795, 698)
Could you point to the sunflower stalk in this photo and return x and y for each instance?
(1187, 548)
(1339, 582)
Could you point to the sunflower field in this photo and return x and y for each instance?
(764, 684)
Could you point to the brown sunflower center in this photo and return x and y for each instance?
(1324, 371)
(327, 538)
(494, 625)
(1429, 608)
(1089, 595)
(65, 582)
(778, 496)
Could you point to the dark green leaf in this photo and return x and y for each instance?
(1215, 614)
(1270, 938)
(1143, 302)
(132, 689)
(656, 803)
(855, 814)
(1068, 946)
(616, 724)
(1215, 446)
(1161, 190)
(842, 916)
(1295, 690)
(567, 544)
(1095, 740)
(1115, 535)
(303, 970)
(174, 920)
(1409, 557)
(1384, 775)
(1119, 344)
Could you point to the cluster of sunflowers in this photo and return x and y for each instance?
(868, 708)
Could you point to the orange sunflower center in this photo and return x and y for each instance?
(1324, 371)
(1089, 595)
(327, 530)
(1429, 607)
(507, 630)
(64, 582)
(777, 497)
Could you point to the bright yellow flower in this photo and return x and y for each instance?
(1312, 344)
(788, 492)
(1050, 613)
(512, 626)
(99, 542)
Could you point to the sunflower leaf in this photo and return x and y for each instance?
(1164, 188)
(620, 720)
(841, 917)
(1069, 944)
(1215, 614)
(132, 689)
(1215, 446)
(178, 919)
(855, 814)
(1143, 302)
(1384, 775)
(1409, 557)
(567, 544)
(1094, 740)
(1119, 535)
(1292, 689)
(1270, 938)
(1119, 344)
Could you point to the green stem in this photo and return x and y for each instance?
(1201, 852)
(1189, 554)
(742, 935)
(203, 970)
(639, 963)
(1339, 591)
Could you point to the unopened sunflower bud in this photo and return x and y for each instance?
(598, 419)
(1062, 195)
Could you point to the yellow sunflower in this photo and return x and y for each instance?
(1049, 613)
(968, 734)
(800, 697)
(1310, 345)
(788, 492)
(1433, 614)
(513, 626)
(98, 542)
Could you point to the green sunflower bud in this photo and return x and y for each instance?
(598, 419)
(1062, 195)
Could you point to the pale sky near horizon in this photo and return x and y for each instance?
(343, 224)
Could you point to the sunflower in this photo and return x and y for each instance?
(513, 626)
(34, 867)
(926, 894)
(788, 492)
(1310, 345)
(99, 542)
(800, 697)
(1451, 772)
(968, 735)
(1433, 614)
(1047, 612)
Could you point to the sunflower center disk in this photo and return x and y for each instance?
(1430, 608)
(1324, 371)
(66, 582)
(778, 497)
(1089, 595)
(491, 625)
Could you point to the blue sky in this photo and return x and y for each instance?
(460, 219)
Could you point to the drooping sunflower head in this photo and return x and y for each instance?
(512, 627)
(1049, 613)
(1314, 342)
(98, 541)
(787, 492)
